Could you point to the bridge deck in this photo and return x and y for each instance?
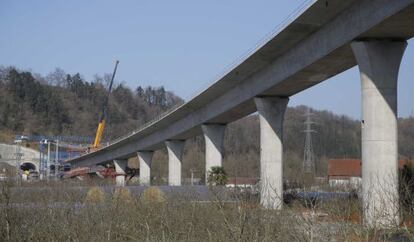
(311, 49)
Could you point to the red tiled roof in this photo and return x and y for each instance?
(401, 163)
(343, 168)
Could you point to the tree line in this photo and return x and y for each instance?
(67, 104)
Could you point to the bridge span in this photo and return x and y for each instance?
(327, 38)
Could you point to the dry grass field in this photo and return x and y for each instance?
(61, 212)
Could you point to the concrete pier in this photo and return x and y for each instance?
(271, 114)
(120, 168)
(214, 137)
(379, 63)
(175, 154)
(145, 158)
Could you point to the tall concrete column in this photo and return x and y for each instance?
(379, 63)
(175, 154)
(213, 136)
(145, 158)
(120, 169)
(271, 114)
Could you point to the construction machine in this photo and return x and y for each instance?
(104, 115)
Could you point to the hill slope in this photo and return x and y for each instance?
(69, 105)
(63, 104)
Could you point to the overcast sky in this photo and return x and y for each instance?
(182, 44)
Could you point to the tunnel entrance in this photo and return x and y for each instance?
(28, 166)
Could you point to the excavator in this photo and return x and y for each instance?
(101, 126)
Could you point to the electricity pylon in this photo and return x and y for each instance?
(308, 155)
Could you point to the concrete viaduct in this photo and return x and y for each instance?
(327, 38)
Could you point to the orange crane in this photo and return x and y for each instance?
(104, 114)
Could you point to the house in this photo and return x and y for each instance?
(344, 172)
(348, 172)
(242, 182)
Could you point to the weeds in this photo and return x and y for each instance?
(64, 213)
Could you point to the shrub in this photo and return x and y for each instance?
(122, 194)
(153, 195)
(95, 195)
(217, 176)
(407, 187)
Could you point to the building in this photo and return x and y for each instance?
(348, 172)
(344, 172)
(243, 183)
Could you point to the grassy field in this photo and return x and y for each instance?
(60, 212)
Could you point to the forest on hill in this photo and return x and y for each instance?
(66, 104)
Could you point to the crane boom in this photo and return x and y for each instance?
(102, 119)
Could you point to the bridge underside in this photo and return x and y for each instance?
(313, 48)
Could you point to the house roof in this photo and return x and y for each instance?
(344, 167)
(352, 167)
(401, 163)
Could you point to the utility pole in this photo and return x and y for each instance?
(18, 155)
(57, 157)
(192, 176)
(48, 160)
(308, 155)
(41, 161)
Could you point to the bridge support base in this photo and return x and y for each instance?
(175, 153)
(213, 136)
(145, 158)
(120, 167)
(271, 114)
(379, 62)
